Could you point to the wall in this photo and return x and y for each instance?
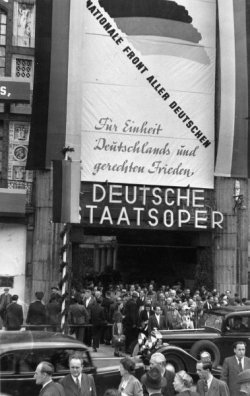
(13, 257)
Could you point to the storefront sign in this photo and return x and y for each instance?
(121, 206)
(14, 91)
(148, 93)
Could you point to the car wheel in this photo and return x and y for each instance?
(208, 346)
(176, 362)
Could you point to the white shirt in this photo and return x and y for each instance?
(209, 381)
(87, 301)
(79, 377)
(242, 362)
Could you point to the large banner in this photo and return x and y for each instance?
(148, 92)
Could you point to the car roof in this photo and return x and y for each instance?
(10, 340)
(230, 309)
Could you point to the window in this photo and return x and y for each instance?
(7, 363)
(3, 19)
(58, 357)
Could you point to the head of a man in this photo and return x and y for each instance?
(239, 349)
(43, 373)
(153, 380)
(169, 300)
(75, 365)
(157, 310)
(204, 370)
(158, 359)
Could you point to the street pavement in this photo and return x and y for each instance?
(104, 357)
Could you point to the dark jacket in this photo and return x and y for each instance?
(87, 386)
(52, 389)
(153, 322)
(36, 313)
(217, 388)
(78, 314)
(97, 315)
(230, 371)
(53, 312)
(14, 316)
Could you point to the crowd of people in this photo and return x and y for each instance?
(96, 314)
(159, 379)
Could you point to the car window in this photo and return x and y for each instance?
(214, 321)
(7, 363)
(238, 324)
(29, 360)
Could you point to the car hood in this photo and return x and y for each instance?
(202, 333)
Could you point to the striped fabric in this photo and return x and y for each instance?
(232, 148)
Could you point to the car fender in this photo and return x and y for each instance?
(179, 358)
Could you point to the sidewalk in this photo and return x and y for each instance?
(104, 351)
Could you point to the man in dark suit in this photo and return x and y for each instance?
(233, 365)
(43, 376)
(157, 320)
(14, 314)
(144, 317)
(5, 300)
(158, 359)
(37, 313)
(130, 321)
(208, 385)
(98, 320)
(88, 301)
(78, 316)
(77, 383)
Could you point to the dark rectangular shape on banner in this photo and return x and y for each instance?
(39, 117)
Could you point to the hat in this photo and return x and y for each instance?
(54, 287)
(244, 377)
(6, 289)
(153, 378)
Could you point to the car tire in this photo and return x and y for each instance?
(208, 346)
(175, 361)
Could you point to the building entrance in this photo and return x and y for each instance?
(139, 257)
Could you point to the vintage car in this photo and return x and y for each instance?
(21, 351)
(223, 326)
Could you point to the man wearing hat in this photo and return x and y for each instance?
(37, 313)
(5, 300)
(244, 383)
(153, 381)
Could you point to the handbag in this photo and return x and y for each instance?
(118, 340)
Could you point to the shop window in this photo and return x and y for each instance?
(6, 281)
